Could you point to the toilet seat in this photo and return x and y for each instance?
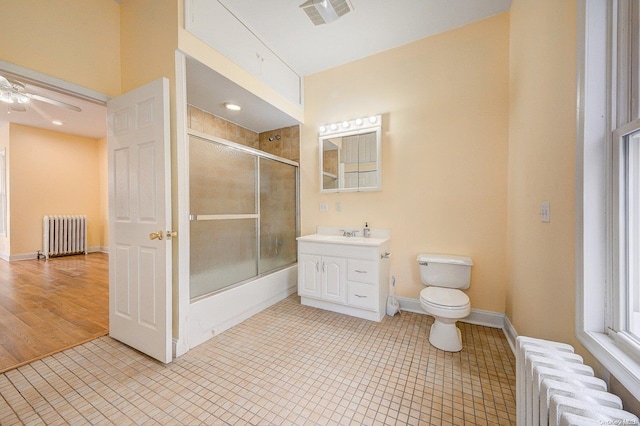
(445, 304)
(444, 298)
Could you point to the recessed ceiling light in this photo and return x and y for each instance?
(232, 106)
(57, 122)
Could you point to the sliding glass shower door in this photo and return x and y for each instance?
(278, 214)
(243, 214)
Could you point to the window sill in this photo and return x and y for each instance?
(625, 369)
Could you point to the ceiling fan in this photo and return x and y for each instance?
(15, 94)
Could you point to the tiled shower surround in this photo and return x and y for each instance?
(287, 146)
(288, 365)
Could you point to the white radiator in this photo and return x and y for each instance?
(64, 235)
(554, 387)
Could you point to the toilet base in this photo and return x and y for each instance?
(445, 336)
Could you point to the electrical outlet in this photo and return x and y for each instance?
(324, 207)
(545, 212)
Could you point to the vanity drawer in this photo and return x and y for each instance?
(363, 271)
(362, 295)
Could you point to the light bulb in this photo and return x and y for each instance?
(359, 121)
(232, 106)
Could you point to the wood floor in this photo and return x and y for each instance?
(50, 305)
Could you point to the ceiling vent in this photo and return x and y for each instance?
(325, 11)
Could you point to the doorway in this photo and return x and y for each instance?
(52, 168)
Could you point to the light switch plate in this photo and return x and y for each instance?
(545, 212)
(324, 207)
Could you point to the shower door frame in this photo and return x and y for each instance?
(259, 154)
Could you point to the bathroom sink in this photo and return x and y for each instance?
(340, 239)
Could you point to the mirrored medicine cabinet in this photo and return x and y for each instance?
(350, 158)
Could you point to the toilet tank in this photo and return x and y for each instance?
(445, 270)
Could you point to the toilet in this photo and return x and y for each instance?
(444, 275)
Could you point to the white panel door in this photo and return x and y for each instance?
(139, 207)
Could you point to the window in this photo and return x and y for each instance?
(608, 188)
(624, 222)
(625, 230)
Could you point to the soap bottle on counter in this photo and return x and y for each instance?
(366, 231)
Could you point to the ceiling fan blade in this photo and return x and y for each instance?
(17, 107)
(53, 102)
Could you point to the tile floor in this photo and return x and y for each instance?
(288, 365)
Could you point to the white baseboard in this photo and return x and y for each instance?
(24, 256)
(34, 255)
(511, 333)
(477, 316)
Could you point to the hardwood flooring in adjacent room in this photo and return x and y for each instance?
(48, 306)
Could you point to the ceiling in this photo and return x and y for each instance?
(373, 26)
(90, 122)
(209, 90)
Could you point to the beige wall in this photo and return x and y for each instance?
(149, 38)
(541, 278)
(74, 40)
(5, 240)
(51, 173)
(103, 179)
(444, 151)
(541, 290)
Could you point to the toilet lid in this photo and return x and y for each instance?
(447, 297)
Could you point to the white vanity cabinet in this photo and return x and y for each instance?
(349, 275)
(322, 277)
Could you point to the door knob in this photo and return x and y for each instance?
(171, 234)
(155, 235)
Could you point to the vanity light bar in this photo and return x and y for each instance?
(356, 123)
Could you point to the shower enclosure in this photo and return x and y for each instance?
(243, 213)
